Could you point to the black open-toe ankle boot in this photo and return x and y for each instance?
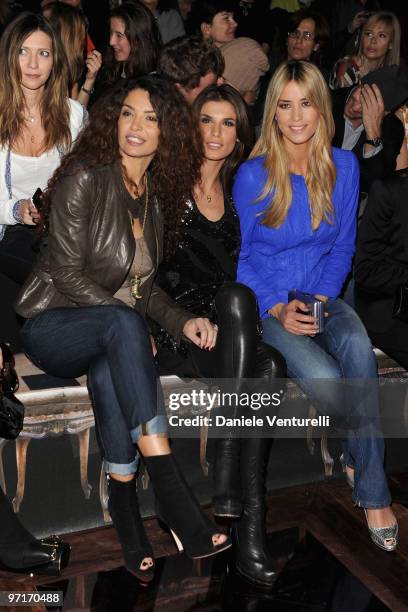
(227, 498)
(124, 510)
(179, 509)
(252, 558)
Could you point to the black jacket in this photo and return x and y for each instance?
(381, 263)
(381, 165)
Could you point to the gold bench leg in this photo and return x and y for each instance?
(203, 449)
(21, 457)
(145, 478)
(83, 438)
(103, 495)
(309, 432)
(328, 460)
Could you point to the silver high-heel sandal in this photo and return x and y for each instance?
(384, 537)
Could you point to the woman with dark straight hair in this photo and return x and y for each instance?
(203, 240)
(134, 47)
(134, 44)
(87, 299)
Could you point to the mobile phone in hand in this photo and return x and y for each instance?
(37, 199)
(314, 305)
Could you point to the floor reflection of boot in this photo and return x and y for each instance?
(240, 595)
(252, 558)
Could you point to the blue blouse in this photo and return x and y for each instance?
(294, 256)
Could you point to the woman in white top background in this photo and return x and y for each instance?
(38, 124)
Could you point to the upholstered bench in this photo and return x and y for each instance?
(52, 410)
(67, 409)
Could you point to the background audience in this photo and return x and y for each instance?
(379, 46)
(381, 267)
(71, 25)
(192, 64)
(134, 46)
(365, 126)
(168, 19)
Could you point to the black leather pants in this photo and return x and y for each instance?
(239, 352)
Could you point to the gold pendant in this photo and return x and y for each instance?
(135, 288)
(209, 199)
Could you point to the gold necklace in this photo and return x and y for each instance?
(136, 281)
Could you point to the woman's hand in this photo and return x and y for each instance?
(295, 322)
(201, 332)
(358, 20)
(93, 63)
(28, 213)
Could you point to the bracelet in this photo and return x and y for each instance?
(87, 91)
(16, 211)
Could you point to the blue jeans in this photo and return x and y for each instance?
(111, 344)
(342, 351)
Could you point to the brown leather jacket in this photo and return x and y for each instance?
(91, 248)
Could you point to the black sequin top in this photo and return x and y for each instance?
(206, 256)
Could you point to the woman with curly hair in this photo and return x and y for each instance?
(297, 200)
(199, 273)
(134, 46)
(38, 123)
(87, 299)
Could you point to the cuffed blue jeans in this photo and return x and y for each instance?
(111, 344)
(342, 351)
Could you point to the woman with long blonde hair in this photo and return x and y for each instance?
(379, 46)
(38, 123)
(297, 201)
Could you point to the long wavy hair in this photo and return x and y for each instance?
(54, 105)
(175, 167)
(389, 19)
(245, 132)
(321, 173)
(71, 26)
(144, 38)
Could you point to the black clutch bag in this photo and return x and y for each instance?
(400, 310)
(11, 409)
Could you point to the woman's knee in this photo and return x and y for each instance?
(124, 320)
(235, 300)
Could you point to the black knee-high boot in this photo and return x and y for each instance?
(252, 558)
(19, 549)
(268, 371)
(227, 498)
(236, 311)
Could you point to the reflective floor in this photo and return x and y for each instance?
(311, 581)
